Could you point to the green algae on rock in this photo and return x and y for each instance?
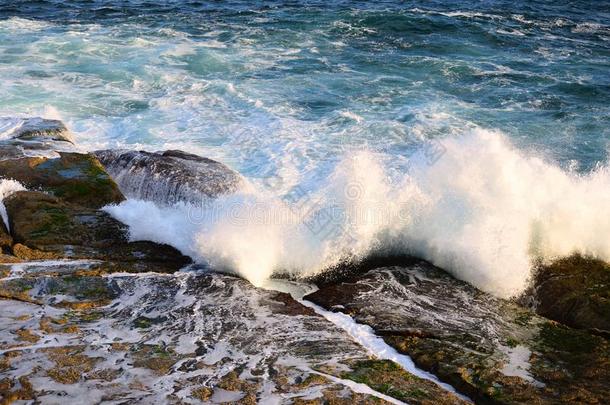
(492, 350)
(389, 378)
(74, 177)
(51, 228)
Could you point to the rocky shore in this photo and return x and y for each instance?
(90, 316)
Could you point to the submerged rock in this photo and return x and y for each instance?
(168, 177)
(74, 177)
(35, 129)
(574, 291)
(494, 351)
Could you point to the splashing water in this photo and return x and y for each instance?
(484, 212)
(7, 187)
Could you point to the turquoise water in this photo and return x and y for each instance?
(249, 82)
(472, 134)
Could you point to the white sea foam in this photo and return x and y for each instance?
(365, 336)
(352, 116)
(484, 211)
(8, 125)
(7, 187)
(517, 364)
(23, 25)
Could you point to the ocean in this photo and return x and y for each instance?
(474, 135)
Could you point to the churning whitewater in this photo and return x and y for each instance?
(484, 211)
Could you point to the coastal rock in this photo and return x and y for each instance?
(33, 137)
(201, 335)
(45, 227)
(61, 219)
(492, 350)
(74, 177)
(168, 177)
(574, 291)
(35, 129)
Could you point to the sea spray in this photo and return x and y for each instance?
(7, 187)
(484, 211)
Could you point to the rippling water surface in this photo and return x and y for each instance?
(232, 78)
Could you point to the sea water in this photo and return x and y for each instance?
(474, 135)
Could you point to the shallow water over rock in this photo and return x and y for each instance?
(33, 137)
(168, 177)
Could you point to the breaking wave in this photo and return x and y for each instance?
(484, 211)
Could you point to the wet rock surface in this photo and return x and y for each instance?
(45, 227)
(182, 338)
(168, 177)
(33, 137)
(74, 177)
(492, 350)
(574, 291)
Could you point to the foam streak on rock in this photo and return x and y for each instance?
(7, 187)
(168, 177)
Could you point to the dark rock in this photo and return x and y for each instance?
(46, 227)
(168, 177)
(492, 350)
(288, 306)
(74, 177)
(350, 270)
(574, 291)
